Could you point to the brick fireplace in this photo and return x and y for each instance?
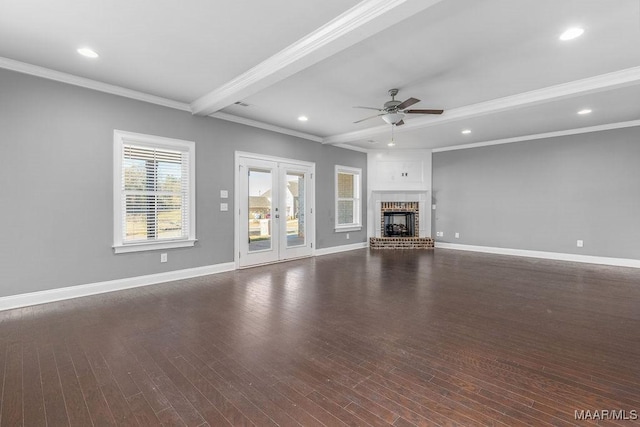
(400, 227)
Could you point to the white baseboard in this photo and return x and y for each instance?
(51, 295)
(342, 248)
(588, 259)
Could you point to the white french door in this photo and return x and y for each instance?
(275, 216)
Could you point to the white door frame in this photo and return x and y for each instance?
(236, 199)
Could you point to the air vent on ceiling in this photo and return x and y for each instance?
(242, 104)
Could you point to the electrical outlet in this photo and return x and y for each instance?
(224, 207)
(433, 207)
(580, 243)
(224, 194)
(163, 257)
(457, 235)
(439, 234)
(347, 236)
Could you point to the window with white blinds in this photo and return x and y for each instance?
(153, 192)
(348, 205)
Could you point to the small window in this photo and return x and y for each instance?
(154, 192)
(348, 203)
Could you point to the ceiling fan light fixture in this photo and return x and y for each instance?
(393, 118)
(391, 144)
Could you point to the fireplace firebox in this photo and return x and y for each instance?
(399, 224)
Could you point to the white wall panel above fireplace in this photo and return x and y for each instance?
(393, 173)
(399, 176)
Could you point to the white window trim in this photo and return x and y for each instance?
(356, 226)
(119, 139)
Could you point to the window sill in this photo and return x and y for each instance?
(347, 229)
(153, 246)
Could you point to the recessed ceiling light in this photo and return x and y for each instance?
(571, 33)
(585, 111)
(466, 132)
(303, 118)
(85, 51)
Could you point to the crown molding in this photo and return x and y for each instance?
(577, 131)
(46, 73)
(265, 126)
(356, 24)
(613, 80)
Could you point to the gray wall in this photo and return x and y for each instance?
(544, 195)
(56, 179)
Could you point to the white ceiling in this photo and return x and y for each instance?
(495, 66)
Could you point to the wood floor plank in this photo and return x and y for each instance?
(118, 404)
(209, 412)
(169, 417)
(94, 398)
(250, 408)
(55, 407)
(12, 407)
(33, 398)
(77, 409)
(144, 413)
(226, 408)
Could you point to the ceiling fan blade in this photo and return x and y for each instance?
(409, 102)
(367, 118)
(423, 111)
(400, 123)
(368, 108)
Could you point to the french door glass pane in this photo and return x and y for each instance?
(259, 209)
(295, 196)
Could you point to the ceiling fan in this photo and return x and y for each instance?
(393, 111)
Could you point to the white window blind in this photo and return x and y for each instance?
(153, 192)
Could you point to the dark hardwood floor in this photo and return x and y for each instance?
(358, 338)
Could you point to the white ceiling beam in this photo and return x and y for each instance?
(613, 80)
(358, 23)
